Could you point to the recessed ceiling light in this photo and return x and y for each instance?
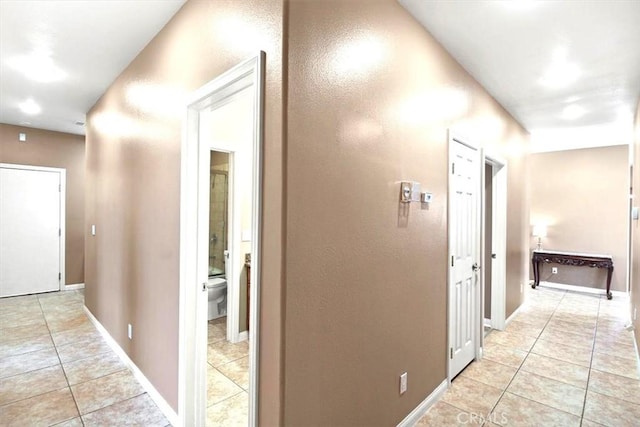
(38, 67)
(572, 112)
(30, 107)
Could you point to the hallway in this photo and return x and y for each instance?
(56, 369)
(565, 360)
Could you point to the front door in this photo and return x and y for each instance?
(29, 231)
(464, 254)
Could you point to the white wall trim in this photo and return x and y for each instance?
(72, 287)
(166, 409)
(499, 240)
(415, 415)
(192, 352)
(583, 289)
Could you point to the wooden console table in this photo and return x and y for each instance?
(572, 259)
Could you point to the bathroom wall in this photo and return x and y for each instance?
(57, 150)
(583, 197)
(133, 194)
(371, 97)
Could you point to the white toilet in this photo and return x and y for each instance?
(217, 290)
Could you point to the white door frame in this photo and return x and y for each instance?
(63, 217)
(456, 138)
(192, 374)
(498, 238)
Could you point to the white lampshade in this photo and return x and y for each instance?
(540, 230)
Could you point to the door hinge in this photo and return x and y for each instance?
(59, 276)
(59, 188)
(59, 231)
(451, 353)
(453, 168)
(451, 260)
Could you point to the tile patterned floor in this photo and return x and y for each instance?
(227, 378)
(56, 369)
(565, 360)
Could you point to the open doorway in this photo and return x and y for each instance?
(220, 249)
(494, 243)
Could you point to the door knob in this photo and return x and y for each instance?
(475, 266)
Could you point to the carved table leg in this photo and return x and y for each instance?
(609, 274)
(536, 274)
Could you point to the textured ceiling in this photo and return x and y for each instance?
(87, 44)
(509, 47)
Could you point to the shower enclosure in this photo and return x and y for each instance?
(218, 213)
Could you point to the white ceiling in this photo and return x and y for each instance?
(508, 46)
(89, 41)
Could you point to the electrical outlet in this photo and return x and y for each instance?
(554, 270)
(521, 287)
(130, 331)
(403, 383)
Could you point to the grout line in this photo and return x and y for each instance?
(64, 372)
(593, 351)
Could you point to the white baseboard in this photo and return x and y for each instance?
(415, 415)
(582, 289)
(72, 287)
(166, 409)
(243, 336)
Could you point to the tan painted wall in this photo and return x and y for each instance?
(635, 230)
(371, 97)
(57, 150)
(133, 169)
(583, 197)
(365, 299)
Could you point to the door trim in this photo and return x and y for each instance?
(63, 216)
(192, 373)
(498, 238)
(457, 138)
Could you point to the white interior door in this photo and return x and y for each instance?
(30, 231)
(464, 251)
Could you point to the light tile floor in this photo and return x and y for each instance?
(565, 360)
(56, 369)
(227, 378)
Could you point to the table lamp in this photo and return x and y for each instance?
(539, 231)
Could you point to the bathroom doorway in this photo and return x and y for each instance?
(220, 249)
